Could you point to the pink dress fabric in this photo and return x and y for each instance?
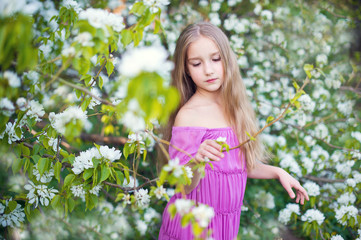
(222, 188)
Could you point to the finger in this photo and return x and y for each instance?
(303, 192)
(289, 191)
(213, 150)
(302, 197)
(298, 197)
(214, 144)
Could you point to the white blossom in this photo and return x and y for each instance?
(84, 160)
(345, 107)
(35, 110)
(285, 214)
(312, 189)
(13, 79)
(147, 59)
(151, 214)
(307, 103)
(174, 167)
(203, 214)
(336, 237)
(142, 197)
(159, 192)
(221, 139)
(68, 52)
(99, 18)
(46, 177)
(346, 198)
(141, 226)
(96, 189)
(356, 135)
(133, 118)
(351, 182)
(12, 219)
(70, 115)
(39, 193)
(126, 199)
(265, 199)
(7, 107)
(154, 5)
(313, 215)
(10, 131)
(345, 167)
(321, 131)
(110, 154)
(349, 211)
(78, 191)
(189, 172)
(321, 60)
(85, 39)
(183, 206)
(72, 4)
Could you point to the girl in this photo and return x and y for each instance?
(214, 104)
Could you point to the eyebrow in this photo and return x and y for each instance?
(196, 58)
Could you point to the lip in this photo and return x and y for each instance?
(211, 80)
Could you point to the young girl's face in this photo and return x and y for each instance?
(204, 65)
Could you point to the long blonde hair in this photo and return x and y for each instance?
(237, 107)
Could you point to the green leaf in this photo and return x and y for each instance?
(57, 169)
(307, 68)
(71, 204)
(126, 173)
(100, 82)
(12, 205)
(126, 150)
(138, 8)
(270, 119)
(68, 180)
(295, 85)
(157, 26)
(119, 176)
(17, 150)
(126, 35)
(27, 164)
(43, 165)
(17, 164)
(172, 210)
(186, 219)
(55, 202)
(110, 67)
(250, 137)
(197, 230)
(105, 172)
(88, 173)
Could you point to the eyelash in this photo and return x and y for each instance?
(215, 60)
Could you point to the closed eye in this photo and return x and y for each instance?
(196, 65)
(217, 59)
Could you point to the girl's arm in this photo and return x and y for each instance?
(263, 171)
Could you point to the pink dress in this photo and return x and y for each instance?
(222, 188)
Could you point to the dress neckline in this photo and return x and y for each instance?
(200, 128)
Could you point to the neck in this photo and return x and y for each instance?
(214, 97)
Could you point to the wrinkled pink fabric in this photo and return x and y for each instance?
(222, 188)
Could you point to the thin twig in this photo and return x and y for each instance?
(324, 180)
(128, 189)
(275, 120)
(87, 92)
(63, 67)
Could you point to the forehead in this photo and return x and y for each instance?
(202, 47)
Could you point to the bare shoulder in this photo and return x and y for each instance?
(186, 116)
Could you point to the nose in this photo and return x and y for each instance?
(208, 68)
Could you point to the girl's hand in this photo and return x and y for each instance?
(210, 149)
(288, 182)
